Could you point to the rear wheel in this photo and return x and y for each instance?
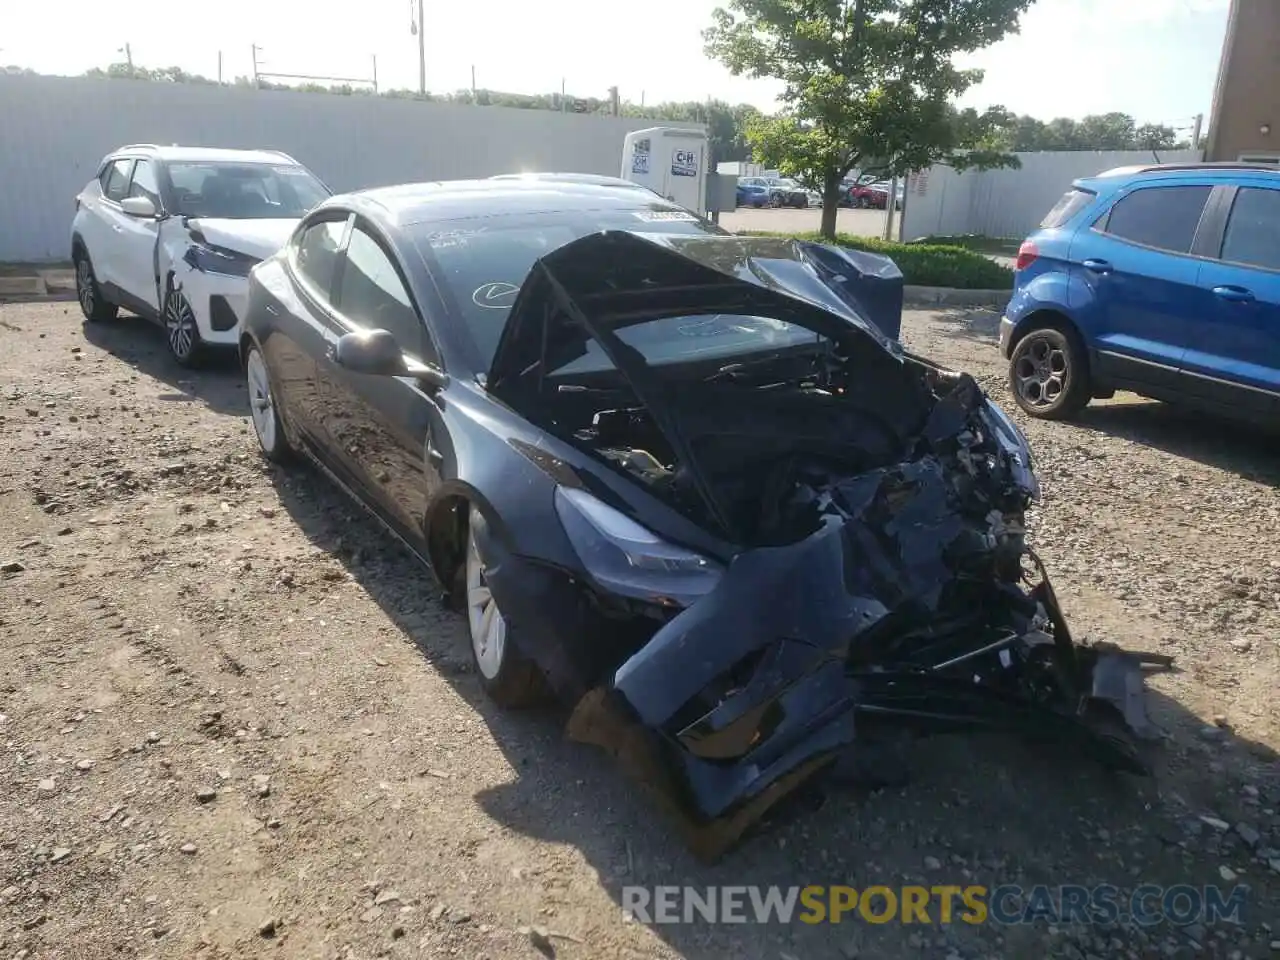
(93, 304)
(1048, 373)
(507, 676)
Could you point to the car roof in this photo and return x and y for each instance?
(1176, 171)
(595, 178)
(411, 203)
(178, 154)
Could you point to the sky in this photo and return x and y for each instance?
(1153, 59)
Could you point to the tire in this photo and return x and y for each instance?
(1049, 372)
(181, 334)
(95, 307)
(511, 680)
(775, 200)
(267, 425)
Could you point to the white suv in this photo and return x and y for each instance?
(171, 233)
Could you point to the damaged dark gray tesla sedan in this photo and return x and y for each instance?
(689, 483)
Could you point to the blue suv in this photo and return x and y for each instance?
(1162, 280)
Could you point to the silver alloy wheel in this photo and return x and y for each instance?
(1041, 371)
(180, 325)
(261, 405)
(84, 286)
(488, 627)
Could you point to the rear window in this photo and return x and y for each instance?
(1165, 218)
(1071, 203)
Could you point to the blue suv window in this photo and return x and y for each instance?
(1253, 232)
(1165, 218)
(1071, 203)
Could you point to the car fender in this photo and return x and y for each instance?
(1055, 292)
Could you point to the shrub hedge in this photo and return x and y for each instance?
(926, 264)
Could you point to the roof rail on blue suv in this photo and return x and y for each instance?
(1160, 279)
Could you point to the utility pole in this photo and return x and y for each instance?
(219, 66)
(1195, 131)
(420, 29)
(254, 48)
(564, 107)
(473, 83)
(613, 100)
(128, 56)
(375, 73)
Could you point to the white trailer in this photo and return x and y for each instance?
(671, 161)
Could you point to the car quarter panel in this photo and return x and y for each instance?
(291, 336)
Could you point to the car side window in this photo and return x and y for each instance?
(1162, 217)
(1253, 231)
(372, 294)
(316, 254)
(118, 180)
(144, 183)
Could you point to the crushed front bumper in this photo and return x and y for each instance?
(913, 607)
(219, 302)
(719, 758)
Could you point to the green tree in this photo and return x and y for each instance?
(863, 79)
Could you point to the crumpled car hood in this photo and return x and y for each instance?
(254, 238)
(616, 278)
(595, 287)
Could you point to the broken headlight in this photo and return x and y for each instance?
(213, 259)
(625, 558)
(1014, 443)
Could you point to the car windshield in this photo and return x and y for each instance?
(243, 191)
(482, 263)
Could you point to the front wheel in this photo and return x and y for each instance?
(263, 410)
(181, 333)
(1048, 373)
(507, 676)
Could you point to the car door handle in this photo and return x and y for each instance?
(1234, 294)
(1097, 266)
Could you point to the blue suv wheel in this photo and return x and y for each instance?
(1048, 373)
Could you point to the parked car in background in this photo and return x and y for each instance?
(171, 233)
(752, 195)
(782, 192)
(1163, 280)
(874, 195)
(788, 193)
(660, 501)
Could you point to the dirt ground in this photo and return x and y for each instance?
(238, 723)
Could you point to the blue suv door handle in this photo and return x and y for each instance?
(1097, 266)
(1234, 294)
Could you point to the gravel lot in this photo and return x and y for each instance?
(859, 223)
(237, 722)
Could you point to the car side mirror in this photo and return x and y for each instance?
(373, 352)
(140, 207)
(376, 352)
